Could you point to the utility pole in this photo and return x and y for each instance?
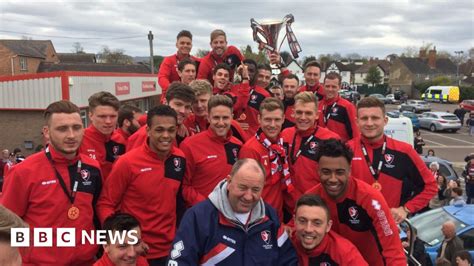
(150, 39)
(458, 53)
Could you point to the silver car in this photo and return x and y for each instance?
(436, 121)
(415, 106)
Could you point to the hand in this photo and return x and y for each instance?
(399, 214)
(288, 229)
(182, 131)
(405, 244)
(275, 58)
(142, 250)
(245, 71)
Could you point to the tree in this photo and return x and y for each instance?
(258, 57)
(157, 60)
(373, 76)
(201, 53)
(116, 56)
(77, 48)
(308, 59)
(410, 51)
(353, 56)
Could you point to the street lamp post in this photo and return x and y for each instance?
(458, 53)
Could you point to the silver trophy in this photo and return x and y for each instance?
(266, 35)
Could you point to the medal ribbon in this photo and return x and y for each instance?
(369, 163)
(71, 196)
(293, 158)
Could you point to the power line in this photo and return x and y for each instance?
(75, 37)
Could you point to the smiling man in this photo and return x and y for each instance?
(303, 141)
(187, 71)
(234, 226)
(359, 212)
(220, 53)
(315, 242)
(156, 166)
(312, 74)
(169, 67)
(101, 141)
(58, 187)
(211, 153)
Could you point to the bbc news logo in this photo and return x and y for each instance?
(66, 237)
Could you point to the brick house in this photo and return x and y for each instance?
(406, 72)
(19, 57)
(383, 67)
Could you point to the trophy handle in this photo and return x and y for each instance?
(288, 19)
(257, 28)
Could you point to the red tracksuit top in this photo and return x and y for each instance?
(209, 160)
(304, 171)
(105, 261)
(32, 190)
(272, 192)
(318, 89)
(102, 148)
(169, 71)
(363, 217)
(289, 113)
(146, 187)
(251, 108)
(208, 62)
(341, 117)
(404, 178)
(333, 250)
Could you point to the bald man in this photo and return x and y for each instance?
(9, 255)
(234, 226)
(451, 244)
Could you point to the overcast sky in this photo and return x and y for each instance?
(369, 28)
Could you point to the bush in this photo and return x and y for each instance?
(466, 93)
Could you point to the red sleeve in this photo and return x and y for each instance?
(16, 192)
(430, 189)
(247, 152)
(385, 227)
(115, 186)
(204, 69)
(164, 74)
(190, 195)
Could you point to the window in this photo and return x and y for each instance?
(23, 65)
(468, 239)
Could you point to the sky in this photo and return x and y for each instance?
(369, 28)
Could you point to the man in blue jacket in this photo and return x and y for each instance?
(233, 226)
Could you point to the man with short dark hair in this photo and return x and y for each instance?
(359, 212)
(101, 141)
(337, 113)
(169, 67)
(211, 153)
(187, 71)
(180, 97)
(277, 92)
(315, 242)
(156, 166)
(390, 166)
(264, 75)
(233, 226)
(57, 188)
(290, 84)
(128, 116)
(312, 74)
(220, 53)
(125, 253)
(303, 141)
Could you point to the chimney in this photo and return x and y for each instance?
(422, 54)
(432, 58)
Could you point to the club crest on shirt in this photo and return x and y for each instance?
(115, 149)
(313, 146)
(354, 214)
(266, 237)
(389, 160)
(85, 175)
(253, 98)
(177, 164)
(235, 152)
(334, 111)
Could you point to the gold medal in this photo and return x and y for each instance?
(73, 213)
(377, 186)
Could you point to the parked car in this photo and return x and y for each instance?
(349, 95)
(413, 117)
(467, 105)
(415, 106)
(380, 97)
(391, 98)
(445, 167)
(437, 121)
(429, 225)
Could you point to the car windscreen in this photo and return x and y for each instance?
(429, 225)
(443, 170)
(449, 117)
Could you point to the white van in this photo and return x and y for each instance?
(400, 129)
(442, 94)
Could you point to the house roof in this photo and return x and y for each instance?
(339, 66)
(93, 67)
(420, 66)
(446, 66)
(383, 64)
(76, 58)
(30, 48)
